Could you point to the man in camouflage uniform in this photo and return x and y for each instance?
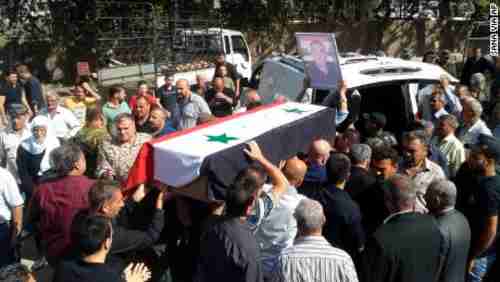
(374, 130)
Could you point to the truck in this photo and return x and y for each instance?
(194, 51)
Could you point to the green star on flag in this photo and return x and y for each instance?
(295, 110)
(223, 138)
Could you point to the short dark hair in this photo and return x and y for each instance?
(101, 192)
(23, 68)
(241, 193)
(352, 135)
(381, 153)
(475, 89)
(65, 157)
(141, 82)
(93, 114)
(10, 71)
(419, 135)
(115, 89)
(90, 233)
(143, 98)
(338, 168)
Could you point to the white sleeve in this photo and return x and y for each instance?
(72, 122)
(3, 154)
(11, 191)
(204, 108)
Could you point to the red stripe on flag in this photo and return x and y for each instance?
(143, 169)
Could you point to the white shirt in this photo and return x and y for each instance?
(277, 227)
(63, 123)
(9, 142)
(469, 135)
(10, 197)
(453, 150)
(312, 258)
(424, 96)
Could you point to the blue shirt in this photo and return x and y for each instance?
(168, 99)
(34, 95)
(316, 173)
(167, 129)
(13, 95)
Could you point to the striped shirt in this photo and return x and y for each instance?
(312, 258)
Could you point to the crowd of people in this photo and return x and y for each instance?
(365, 205)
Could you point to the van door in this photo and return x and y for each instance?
(241, 56)
(227, 47)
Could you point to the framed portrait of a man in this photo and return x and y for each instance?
(320, 55)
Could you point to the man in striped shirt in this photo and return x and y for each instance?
(312, 258)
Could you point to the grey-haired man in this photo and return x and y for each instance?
(11, 137)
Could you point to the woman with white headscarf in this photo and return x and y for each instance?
(33, 156)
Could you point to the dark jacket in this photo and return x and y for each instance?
(456, 242)
(168, 99)
(473, 66)
(125, 239)
(220, 107)
(359, 181)
(407, 248)
(229, 252)
(343, 228)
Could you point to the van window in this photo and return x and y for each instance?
(255, 80)
(197, 43)
(226, 45)
(239, 46)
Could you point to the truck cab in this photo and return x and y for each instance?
(194, 51)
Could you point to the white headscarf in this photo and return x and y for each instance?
(49, 143)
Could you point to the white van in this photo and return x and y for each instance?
(208, 41)
(386, 85)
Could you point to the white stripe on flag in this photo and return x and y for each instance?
(177, 161)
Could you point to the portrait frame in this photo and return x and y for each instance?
(320, 54)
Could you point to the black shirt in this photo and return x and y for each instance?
(229, 252)
(220, 107)
(359, 181)
(343, 227)
(145, 127)
(80, 271)
(486, 203)
(13, 94)
(407, 248)
(473, 66)
(34, 95)
(126, 238)
(168, 99)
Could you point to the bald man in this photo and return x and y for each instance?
(278, 228)
(160, 121)
(316, 176)
(253, 100)
(192, 107)
(220, 99)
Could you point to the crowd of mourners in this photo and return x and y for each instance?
(365, 205)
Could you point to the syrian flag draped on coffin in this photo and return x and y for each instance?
(214, 151)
